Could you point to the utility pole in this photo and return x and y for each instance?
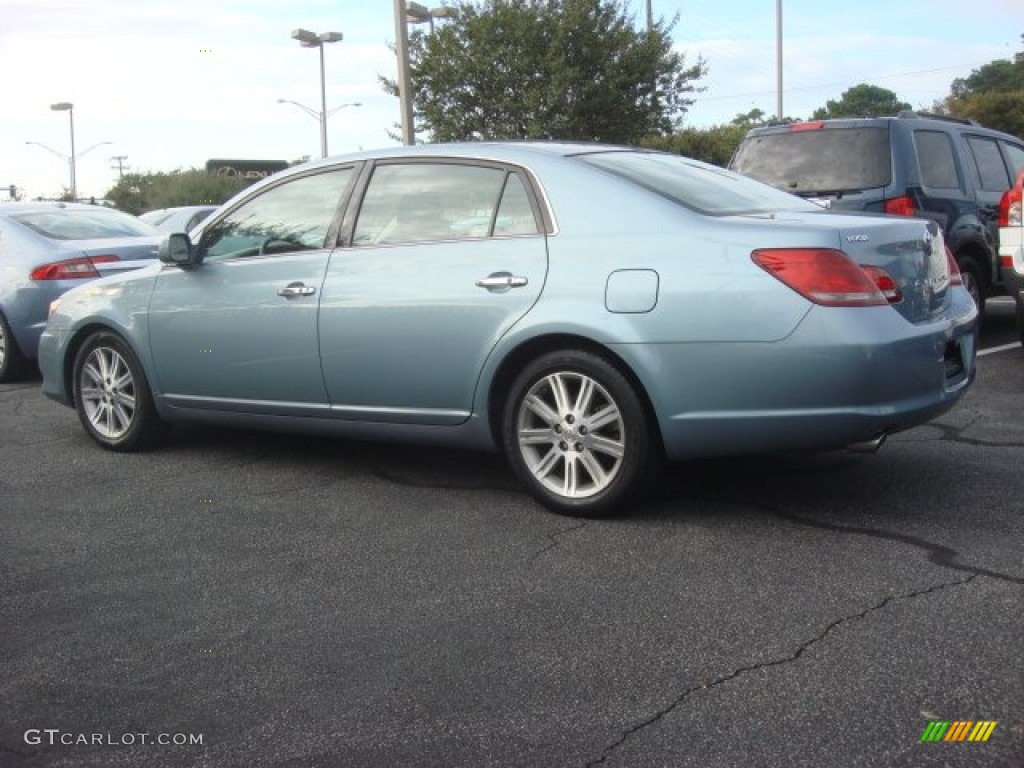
(119, 160)
(778, 58)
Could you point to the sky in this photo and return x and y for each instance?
(172, 84)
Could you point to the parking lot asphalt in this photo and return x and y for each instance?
(289, 601)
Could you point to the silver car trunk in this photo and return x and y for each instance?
(911, 251)
(132, 252)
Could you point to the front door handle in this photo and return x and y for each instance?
(292, 290)
(501, 281)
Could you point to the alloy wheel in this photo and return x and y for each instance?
(571, 434)
(107, 392)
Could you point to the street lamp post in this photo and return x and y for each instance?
(67, 106)
(411, 13)
(313, 40)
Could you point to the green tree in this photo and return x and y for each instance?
(862, 101)
(714, 145)
(140, 192)
(558, 69)
(992, 94)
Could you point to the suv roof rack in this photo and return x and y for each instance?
(906, 113)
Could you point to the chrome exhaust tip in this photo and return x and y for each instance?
(868, 446)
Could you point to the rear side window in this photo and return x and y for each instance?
(818, 160)
(422, 202)
(935, 160)
(991, 169)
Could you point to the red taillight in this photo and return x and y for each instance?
(900, 206)
(1011, 204)
(955, 278)
(71, 269)
(884, 282)
(812, 126)
(821, 275)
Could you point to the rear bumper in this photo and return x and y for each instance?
(844, 376)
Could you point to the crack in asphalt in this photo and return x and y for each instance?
(938, 554)
(951, 434)
(553, 539)
(793, 657)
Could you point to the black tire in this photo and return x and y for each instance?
(112, 396)
(13, 364)
(569, 462)
(1020, 317)
(974, 282)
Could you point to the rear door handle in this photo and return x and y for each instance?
(501, 281)
(292, 290)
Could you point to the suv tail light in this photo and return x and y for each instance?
(900, 206)
(1011, 203)
(71, 269)
(821, 275)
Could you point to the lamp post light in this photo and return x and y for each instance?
(313, 40)
(411, 13)
(70, 159)
(67, 106)
(314, 113)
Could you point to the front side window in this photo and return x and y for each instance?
(991, 170)
(293, 216)
(421, 202)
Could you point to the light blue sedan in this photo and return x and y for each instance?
(589, 310)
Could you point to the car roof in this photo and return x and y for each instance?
(493, 150)
(48, 205)
(904, 118)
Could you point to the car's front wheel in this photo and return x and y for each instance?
(112, 396)
(576, 433)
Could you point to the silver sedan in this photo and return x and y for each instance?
(589, 310)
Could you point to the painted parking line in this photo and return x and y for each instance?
(1003, 348)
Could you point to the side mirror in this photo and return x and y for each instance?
(176, 248)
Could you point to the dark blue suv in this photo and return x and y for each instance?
(953, 171)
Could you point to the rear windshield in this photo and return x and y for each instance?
(82, 224)
(704, 188)
(822, 160)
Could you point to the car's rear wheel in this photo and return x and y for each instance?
(974, 282)
(112, 396)
(576, 433)
(13, 364)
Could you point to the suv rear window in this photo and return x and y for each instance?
(818, 160)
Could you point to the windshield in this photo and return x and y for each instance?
(823, 160)
(83, 224)
(704, 188)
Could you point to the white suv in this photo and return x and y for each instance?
(1011, 245)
